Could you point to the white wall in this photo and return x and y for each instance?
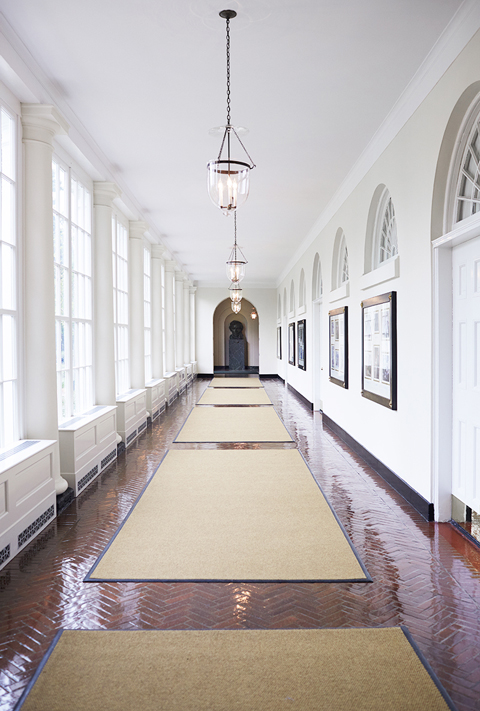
(401, 439)
(264, 300)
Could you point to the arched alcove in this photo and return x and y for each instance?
(317, 285)
(222, 317)
(292, 298)
(340, 271)
(279, 307)
(381, 237)
(302, 291)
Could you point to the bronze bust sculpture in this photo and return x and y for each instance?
(236, 328)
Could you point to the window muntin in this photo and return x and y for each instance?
(72, 244)
(9, 427)
(387, 244)
(343, 263)
(467, 199)
(147, 312)
(120, 304)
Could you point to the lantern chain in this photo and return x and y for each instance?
(228, 71)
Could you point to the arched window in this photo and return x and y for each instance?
(317, 284)
(464, 180)
(279, 307)
(292, 297)
(302, 292)
(340, 273)
(386, 243)
(285, 301)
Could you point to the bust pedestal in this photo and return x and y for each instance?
(236, 353)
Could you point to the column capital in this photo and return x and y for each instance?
(137, 229)
(158, 250)
(187, 283)
(193, 289)
(105, 193)
(179, 276)
(170, 265)
(41, 122)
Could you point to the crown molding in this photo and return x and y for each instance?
(451, 42)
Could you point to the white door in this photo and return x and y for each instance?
(466, 373)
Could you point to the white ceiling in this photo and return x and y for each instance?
(311, 79)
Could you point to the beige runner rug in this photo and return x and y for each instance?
(233, 424)
(254, 670)
(246, 382)
(235, 396)
(231, 515)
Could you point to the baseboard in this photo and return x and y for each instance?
(464, 533)
(238, 375)
(424, 507)
(299, 395)
(65, 499)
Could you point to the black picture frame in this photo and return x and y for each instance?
(279, 342)
(291, 343)
(379, 349)
(301, 344)
(338, 346)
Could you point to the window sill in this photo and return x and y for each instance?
(343, 292)
(387, 271)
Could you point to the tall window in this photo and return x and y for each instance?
(163, 316)
(120, 303)
(147, 313)
(72, 239)
(9, 431)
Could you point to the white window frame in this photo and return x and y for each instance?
(147, 311)
(343, 266)
(10, 430)
(120, 302)
(77, 396)
(385, 229)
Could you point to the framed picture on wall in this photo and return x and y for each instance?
(379, 349)
(279, 342)
(301, 358)
(291, 343)
(338, 346)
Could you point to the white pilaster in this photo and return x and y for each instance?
(179, 279)
(193, 332)
(136, 332)
(157, 333)
(169, 320)
(186, 322)
(40, 124)
(103, 196)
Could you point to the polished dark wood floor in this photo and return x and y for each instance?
(425, 576)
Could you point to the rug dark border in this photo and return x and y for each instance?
(250, 441)
(89, 579)
(422, 659)
(424, 507)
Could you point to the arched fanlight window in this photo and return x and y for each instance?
(386, 243)
(285, 301)
(279, 307)
(465, 171)
(343, 275)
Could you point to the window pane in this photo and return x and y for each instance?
(8, 145)
(8, 347)
(8, 211)
(8, 277)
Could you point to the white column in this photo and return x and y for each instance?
(40, 124)
(104, 343)
(157, 333)
(179, 278)
(193, 330)
(186, 322)
(136, 333)
(169, 320)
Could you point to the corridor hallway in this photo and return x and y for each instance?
(425, 575)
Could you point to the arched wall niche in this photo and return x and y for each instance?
(285, 301)
(452, 139)
(317, 284)
(302, 291)
(222, 317)
(371, 223)
(279, 307)
(292, 297)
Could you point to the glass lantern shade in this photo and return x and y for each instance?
(236, 307)
(235, 293)
(235, 271)
(228, 183)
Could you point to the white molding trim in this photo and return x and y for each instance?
(452, 41)
(343, 292)
(291, 315)
(462, 232)
(388, 270)
(302, 310)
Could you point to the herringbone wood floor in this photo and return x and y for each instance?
(426, 576)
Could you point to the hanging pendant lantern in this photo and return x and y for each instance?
(228, 179)
(236, 261)
(236, 307)
(235, 292)
(254, 313)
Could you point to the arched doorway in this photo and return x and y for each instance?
(222, 318)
